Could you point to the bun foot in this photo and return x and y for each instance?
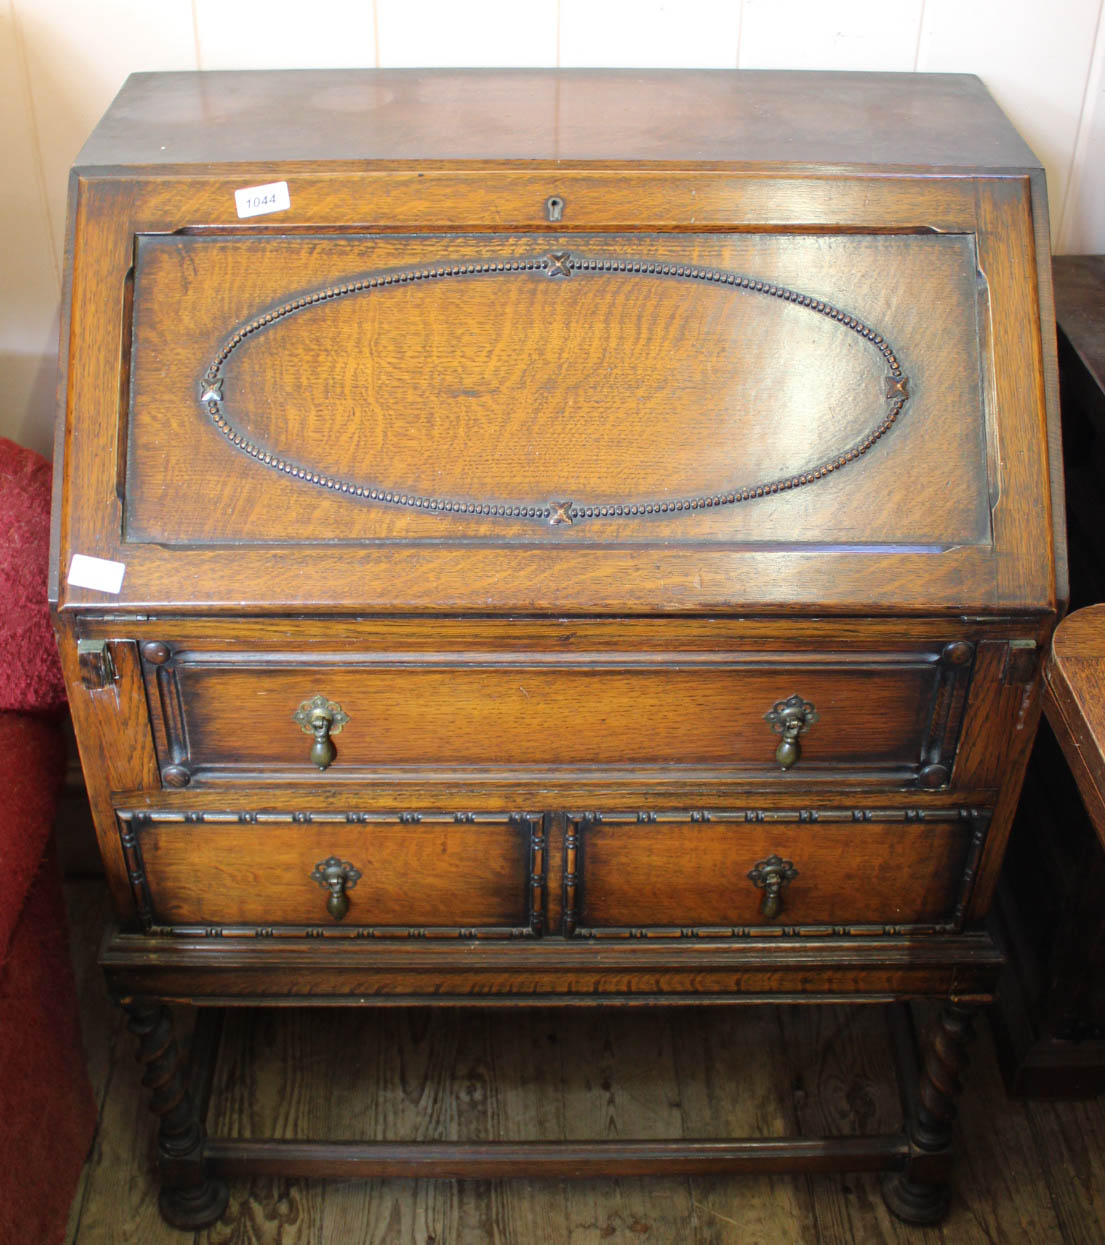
(198, 1206)
(915, 1203)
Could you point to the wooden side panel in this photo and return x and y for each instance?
(116, 745)
(1008, 260)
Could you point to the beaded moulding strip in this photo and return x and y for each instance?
(557, 265)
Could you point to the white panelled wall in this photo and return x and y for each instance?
(61, 61)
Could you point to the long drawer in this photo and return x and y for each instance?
(884, 717)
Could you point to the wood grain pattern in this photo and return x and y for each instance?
(697, 874)
(842, 1080)
(397, 791)
(841, 1069)
(557, 577)
(1074, 699)
(516, 388)
(1008, 1159)
(461, 633)
(433, 874)
(96, 718)
(427, 115)
(194, 966)
(871, 715)
(1072, 1135)
(1007, 260)
(742, 1049)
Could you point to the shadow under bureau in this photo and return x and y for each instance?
(555, 537)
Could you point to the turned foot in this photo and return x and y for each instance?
(189, 1198)
(913, 1202)
(919, 1193)
(198, 1206)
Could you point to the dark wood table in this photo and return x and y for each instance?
(1050, 1018)
(1074, 701)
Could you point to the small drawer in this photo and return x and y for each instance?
(721, 874)
(882, 717)
(361, 874)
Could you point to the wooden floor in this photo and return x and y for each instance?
(1031, 1173)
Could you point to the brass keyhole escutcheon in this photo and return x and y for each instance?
(771, 875)
(790, 718)
(337, 876)
(321, 718)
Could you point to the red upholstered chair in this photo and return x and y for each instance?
(47, 1112)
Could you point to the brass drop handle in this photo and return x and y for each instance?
(322, 750)
(790, 718)
(771, 875)
(337, 876)
(321, 718)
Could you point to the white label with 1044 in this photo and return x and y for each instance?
(257, 200)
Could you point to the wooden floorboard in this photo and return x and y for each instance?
(1001, 1191)
(842, 1082)
(1073, 1137)
(733, 1080)
(1026, 1172)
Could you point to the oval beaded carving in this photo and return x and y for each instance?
(558, 265)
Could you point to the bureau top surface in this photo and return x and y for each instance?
(680, 116)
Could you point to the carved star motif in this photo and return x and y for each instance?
(212, 390)
(559, 264)
(897, 386)
(560, 512)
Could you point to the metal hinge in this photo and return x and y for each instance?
(97, 668)
(1020, 661)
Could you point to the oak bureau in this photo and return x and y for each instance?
(555, 537)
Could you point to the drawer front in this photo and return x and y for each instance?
(721, 875)
(889, 717)
(359, 874)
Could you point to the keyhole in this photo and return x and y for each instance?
(554, 207)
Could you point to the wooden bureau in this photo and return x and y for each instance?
(555, 537)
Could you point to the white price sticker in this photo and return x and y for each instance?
(98, 573)
(257, 200)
